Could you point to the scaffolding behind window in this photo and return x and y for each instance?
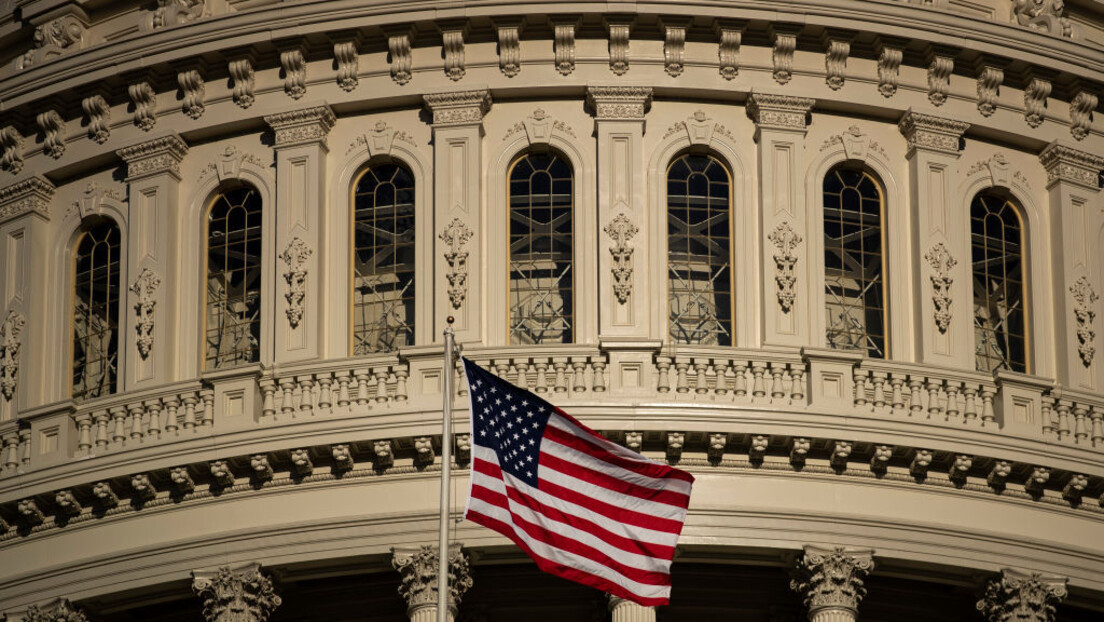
(854, 286)
(541, 261)
(699, 251)
(999, 316)
(383, 259)
(96, 264)
(233, 322)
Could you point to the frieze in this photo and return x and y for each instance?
(26, 197)
(458, 107)
(154, 157)
(301, 127)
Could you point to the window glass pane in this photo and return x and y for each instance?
(383, 259)
(233, 322)
(699, 252)
(853, 281)
(541, 249)
(96, 268)
(997, 254)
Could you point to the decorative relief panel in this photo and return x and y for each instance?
(402, 62)
(1081, 110)
(347, 58)
(453, 42)
(939, 79)
(941, 262)
(699, 129)
(455, 236)
(565, 48)
(782, 57)
(619, 103)
(175, 12)
(1043, 15)
(380, 140)
(294, 65)
(539, 128)
(295, 256)
(832, 578)
(889, 69)
(1022, 597)
(988, 87)
(728, 52)
(98, 114)
(11, 143)
(92, 199)
(619, 48)
(145, 289)
(855, 144)
(674, 50)
(997, 167)
(1084, 311)
(53, 131)
(785, 241)
(509, 50)
(621, 231)
(145, 105)
(418, 568)
(229, 163)
(302, 127)
(63, 35)
(244, 595)
(10, 344)
(241, 72)
(1035, 96)
(458, 107)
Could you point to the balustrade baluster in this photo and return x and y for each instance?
(879, 380)
(778, 388)
(701, 382)
(916, 400)
(757, 388)
(740, 386)
(969, 412)
(797, 386)
(287, 400)
(523, 374)
(172, 406)
(561, 376)
(102, 419)
(134, 420)
(663, 370)
(84, 432)
(952, 409)
(682, 384)
(11, 451)
(898, 400)
(859, 376)
(1063, 419)
(362, 387)
(208, 397)
(542, 376)
(1080, 429)
(1097, 426)
(1050, 416)
(268, 397)
(153, 407)
(599, 375)
(579, 375)
(343, 389)
(306, 393)
(118, 418)
(720, 377)
(934, 407)
(189, 400)
(25, 444)
(987, 414)
(501, 366)
(381, 384)
(401, 373)
(325, 392)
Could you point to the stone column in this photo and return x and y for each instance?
(1022, 597)
(457, 197)
(418, 568)
(1075, 220)
(780, 123)
(300, 310)
(24, 359)
(152, 271)
(622, 610)
(624, 300)
(831, 582)
(941, 250)
(240, 594)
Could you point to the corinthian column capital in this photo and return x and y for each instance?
(418, 568)
(831, 582)
(1022, 597)
(239, 595)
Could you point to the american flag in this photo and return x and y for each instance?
(582, 507)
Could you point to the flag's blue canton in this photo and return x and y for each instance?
(508, 420)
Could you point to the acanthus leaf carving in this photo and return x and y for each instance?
(782, 56)
(1065, 164)
(889, 70)
(619, 48)
(988, 87)
(293, 63)
(401, 62)
(939, 79)
(418, 568)
(509, 50)
(1021, 597)
(835, 63)
(1084, 311)
(55, 38)
(621, 231)
(924, 131)
(243, 595)
(348, 59)
(565, 48)
(619, 102)
(785, 241)
(453, 43)
(301, 127)
(175, 12)
(145, 289)
(12, 144)
(1043, 15)
(53, 131)
(832, 578)
(145, 105)
(30, 196)
(458, 107)
(10, 344)
(942, 263)
(1035, 96)
(728, 53)
(674, 50)
(241, 72)
(295, 256)
(1081, 114)
(455, 236)
(60, 610)
(99, 115)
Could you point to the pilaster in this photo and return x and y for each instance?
(152, 254)
(301, 210)
(1022, 597)
(625, 295)
(1075, 220)
(831, 582)
(24, 239)
(780, 125)
(458, 166)
(239, 594)
(939, 222)
(418, 568)
(622, 610)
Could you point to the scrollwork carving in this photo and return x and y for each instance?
(176, 12)
(728, 53)
(12, 144)
(191, 86)
(565, 48)
(941, 262)
(401, 62)
(1035, 96)
(244, 595)
(939, 79)
(10, 345)
(1081, 110)
(61, 610)
(621, 231)
(295, 256)
(1084, 298)
(785, 241)
(988, 87)
(619, 49)
(294, 65)
(889, 70)
(674, 50)
(835, 63)
(53, 131)
(98, 114)
(456, 236)
(241, 72)
(453, 42)
(832, 578)
(1022, 597)
(55, 38)
(509, 51)
(782, 57)
(145, 289)
(347, 57)
(145, 105)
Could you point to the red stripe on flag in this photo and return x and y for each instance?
(609, 482)
(594, 447)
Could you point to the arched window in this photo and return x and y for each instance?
(996, 240)
(96, 264)
(233, 329)
(541, 268)
(854, 286)
(699, 251)
(383, 259)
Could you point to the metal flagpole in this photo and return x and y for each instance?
(446, 477)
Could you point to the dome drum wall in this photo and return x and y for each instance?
(314, 454)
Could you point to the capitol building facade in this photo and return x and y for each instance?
(839, 259)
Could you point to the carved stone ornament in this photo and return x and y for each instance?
(509, 50)
(175, 12)
(699, 129)
(941, 262)
(1065, 164)
(192, 87)
(1043, 15)
(564, 44)
(925, 131)
(785, 241)
(145, 291)
(855, 144)
(295, 255)
(619, 49)
(1035, 96)
(939, 79)
(835, 63)
(782, 56)
(1021, 597)
(832, 578)
(458, 107)
(456, 236)
(988, 87)
(347, 58)
(1084, 311)
(240, 595)
(11, 150)
(889, 70)
(229, 163)
(63, 35)
(621, 231)
(674, 50)
(1081, 109)
(997, 167)
(61, 610)
(158, 156)
(9, 351)
(98, 114)
(401, 61)
(302, 127)
(53, 131)
(728, 53)
(241, 72)
(418, 568)
(539, 128)
(778, 112)
(144, 99)
(294, 65)
(619, 103)
(379, 140)
(30, 196)
(453, 43)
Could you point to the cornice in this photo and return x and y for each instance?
(30, 196)
(619, 103)
(455, 108)
(1066, 164)
(302, 127)
(154, 157)
(931, 133)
